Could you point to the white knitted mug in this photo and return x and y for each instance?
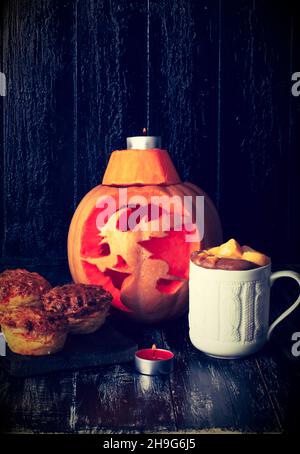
(229, 310)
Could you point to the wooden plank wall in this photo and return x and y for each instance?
(213, 77)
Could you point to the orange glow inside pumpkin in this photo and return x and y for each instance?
(115, 267)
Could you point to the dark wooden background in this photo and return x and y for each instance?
(213, 77)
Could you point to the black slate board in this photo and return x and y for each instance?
(106, 346)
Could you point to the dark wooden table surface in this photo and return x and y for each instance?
(257, 394)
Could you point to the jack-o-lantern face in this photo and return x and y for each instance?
(146, 270)
(137, 267)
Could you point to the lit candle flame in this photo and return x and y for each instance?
(154, 348)
(144, 131)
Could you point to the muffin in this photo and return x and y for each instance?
(21, 288)
(230, 256)
(30, 330)
(85, 306)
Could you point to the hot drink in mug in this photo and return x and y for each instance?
(229, 292)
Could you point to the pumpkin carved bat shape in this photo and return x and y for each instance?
(145, 269)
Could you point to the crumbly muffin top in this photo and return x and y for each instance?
(34, 320)
(21, 283)
(77, 300)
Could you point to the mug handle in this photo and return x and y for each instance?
(273, 277)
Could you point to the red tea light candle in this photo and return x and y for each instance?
(154, 361)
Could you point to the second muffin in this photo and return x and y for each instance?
(33, 331)
(85, 306)
(21, 288)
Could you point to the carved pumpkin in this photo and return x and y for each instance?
(146, 270)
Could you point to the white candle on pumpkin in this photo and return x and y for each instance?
(143, 142)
